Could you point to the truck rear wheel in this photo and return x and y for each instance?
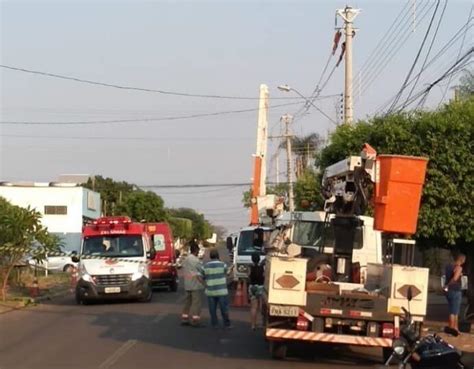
(278, 350)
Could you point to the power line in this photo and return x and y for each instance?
(458, 66)
(140, 120)
(429, 50)
(392, 49)
(373, 57)
(459, 53)
(450, 43)
(202, 185)
(142, 89)
(108, 138)
(420, 49)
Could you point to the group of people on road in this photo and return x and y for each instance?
(212, 277)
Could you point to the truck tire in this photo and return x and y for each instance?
(148, 297)
(278, 350)
(81, 301)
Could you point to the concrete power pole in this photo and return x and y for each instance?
(287, 119)
(348, 14)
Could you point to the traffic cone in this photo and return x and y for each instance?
(238, 296)
(73, 280)
(34, 289)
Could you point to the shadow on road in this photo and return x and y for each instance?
(237, 343)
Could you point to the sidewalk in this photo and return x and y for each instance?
(436, 319)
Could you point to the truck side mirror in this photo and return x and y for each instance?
(151, 254)
(229, 243)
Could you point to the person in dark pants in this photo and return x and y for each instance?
(193, 286)
(256, 280)
(215, 277)
(453, 290)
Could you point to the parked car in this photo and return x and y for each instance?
(55, 264)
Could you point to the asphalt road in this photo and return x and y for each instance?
(131, 335)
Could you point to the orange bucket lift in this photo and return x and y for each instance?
(398, 188)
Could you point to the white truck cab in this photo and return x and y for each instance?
(244, 248)
(309, 229)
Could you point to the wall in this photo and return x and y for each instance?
(79, 201)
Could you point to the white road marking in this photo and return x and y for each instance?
(112, 359)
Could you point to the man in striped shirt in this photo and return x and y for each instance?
(215, 276)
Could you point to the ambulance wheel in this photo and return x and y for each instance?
(278, 350)
(148, 297)
(81, 301)
(174, 286)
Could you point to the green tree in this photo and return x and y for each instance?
(21, 234)
(304, 149)
(308, 191)
(182, 227)
(466, 85)
(201, 228)
(446, 137)
(141, 205)
(112, 193)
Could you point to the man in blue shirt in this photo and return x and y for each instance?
(215, 277)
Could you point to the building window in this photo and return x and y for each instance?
(55, 210)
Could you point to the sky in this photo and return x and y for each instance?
(225, 48)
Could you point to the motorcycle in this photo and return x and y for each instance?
(430, 351)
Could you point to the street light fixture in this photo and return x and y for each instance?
(286, 88)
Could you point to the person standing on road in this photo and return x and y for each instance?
(453, 290)
(256, 281)
(193, 286)
(215, 276)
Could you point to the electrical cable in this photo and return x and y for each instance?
(141, 120)
(372, 56)
(412, 68)
(458, 66)
(108, 138)
(391, 50)
(459, 53)
(450, 43)
(142, 89)
(429, 49)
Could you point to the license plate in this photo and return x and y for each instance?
(112, 290)
(284, 310)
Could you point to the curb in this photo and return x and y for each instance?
(50, 296)
(37, 300)
(441, 325)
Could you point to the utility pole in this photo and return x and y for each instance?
(287, 119)
(348, 14)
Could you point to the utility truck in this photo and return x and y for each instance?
(326, 277)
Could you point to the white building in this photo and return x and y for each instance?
(64, 207)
